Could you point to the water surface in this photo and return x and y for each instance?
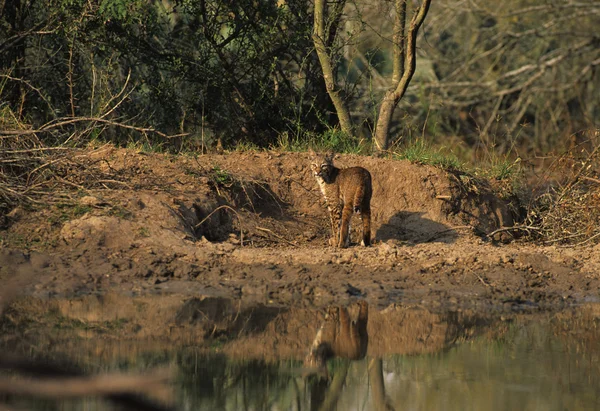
(411, 359)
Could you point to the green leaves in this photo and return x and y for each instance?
(113, 9)
(124, 11)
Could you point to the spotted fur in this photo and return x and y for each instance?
(346, 191)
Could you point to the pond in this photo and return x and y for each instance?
(360, 358)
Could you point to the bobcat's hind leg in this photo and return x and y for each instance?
(365, 216)
(344, 238)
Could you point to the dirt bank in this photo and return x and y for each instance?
(253, 226)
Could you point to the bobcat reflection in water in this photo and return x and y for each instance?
(339, 336)
(342, 337)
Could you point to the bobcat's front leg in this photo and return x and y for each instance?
(335, 214)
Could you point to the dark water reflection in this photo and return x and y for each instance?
(526, 362)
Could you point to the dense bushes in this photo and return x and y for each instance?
(499, 76)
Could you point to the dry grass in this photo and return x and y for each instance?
(566, 207)
(32, 174)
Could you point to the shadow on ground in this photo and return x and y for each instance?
(412, 227)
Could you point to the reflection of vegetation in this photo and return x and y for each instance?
(523, 364)
(527, 362)
(215, 382)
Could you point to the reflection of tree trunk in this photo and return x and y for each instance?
(377, 386)
(335, 389)
(318, 390)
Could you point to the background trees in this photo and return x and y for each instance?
(505, 75)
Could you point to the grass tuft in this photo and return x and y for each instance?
(332, 139)
(421, 152)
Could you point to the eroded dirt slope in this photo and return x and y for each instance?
(253, 225)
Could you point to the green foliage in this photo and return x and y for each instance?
(246, 71)
(68, 211)
(144, 232)
(120, 212)
(332, 139)
(503, 168)
(124, 11)
(195, 68)
(221, 177)
(245, 145)
(421, 152)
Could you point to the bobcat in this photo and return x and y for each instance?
(346, 190)
(340, 336)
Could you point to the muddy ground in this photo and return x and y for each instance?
(252, 226)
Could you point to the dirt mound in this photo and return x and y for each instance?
(261, 198)
(411, 202)
(273, 198)
(253, 225)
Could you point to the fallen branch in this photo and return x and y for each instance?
(482, 280)
(516, 227)
(586, 240)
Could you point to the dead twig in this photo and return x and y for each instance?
(584, 167)
(227, 208)
(32, 87)
(516, 227)
(593, 180)
(65, 121)
(483, 281)
(276, 235)
(587, 240)
(108, 181)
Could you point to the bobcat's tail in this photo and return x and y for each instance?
(362, 196)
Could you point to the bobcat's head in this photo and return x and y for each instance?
(322, 165)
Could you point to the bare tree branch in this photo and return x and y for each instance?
(61, 122)
(393, 96)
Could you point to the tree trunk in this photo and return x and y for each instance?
(326, 65)
(404, 60)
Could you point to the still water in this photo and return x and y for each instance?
(398, 361)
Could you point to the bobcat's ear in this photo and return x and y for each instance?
(330, 155)
(312, 152)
